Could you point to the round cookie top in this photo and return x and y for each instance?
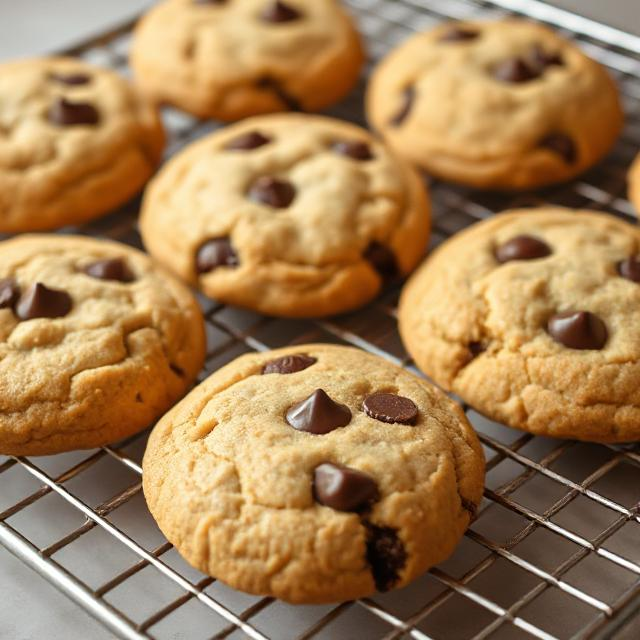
(230, 59)
(75, 142)
(314, 473)
(95, 343)
(506, 104)
(291, 215)
(531, 318)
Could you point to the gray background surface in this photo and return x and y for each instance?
(30, 609)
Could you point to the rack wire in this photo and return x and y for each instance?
(553, 553)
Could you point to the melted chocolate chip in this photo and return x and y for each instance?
(475, 349)
(71, 79)
(63, 112)
(540, 59)
(385, 554)
(39, 301)
(110, 269)
(247, 142)
(382, 259)
(459, 34)
(469, 506)
(408, 97)
(289, 101)
(578, 330)
(179, 371)
(353, 149)
(289, 364)
(522, 248)
(9, 293)
(280, 12)
(275, 193)
(514, 70)
(343, 488)
(561, 144)
(389, 407)
(630, 269)
(214, 253)
(318, 414)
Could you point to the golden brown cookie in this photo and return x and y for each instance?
(505, 104)
(289, 215)
(75, 142)
(96, 342)
(634, 183)
(314, 473)
(229, 59)
(531, 318)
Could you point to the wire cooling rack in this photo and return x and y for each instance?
(554, 551)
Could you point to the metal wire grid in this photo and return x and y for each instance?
(553, 552)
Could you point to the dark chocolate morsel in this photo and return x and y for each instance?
(64, 112)
(386, 555)
(475, 349)
(110, 269)
(578, 330)
(272, 192)
(469, 506)
(290, 102)
(630, 269)
(71, 79)
(408, 97)
(522, 248)
(514, 70)
(459, 34)
(279, 12)
(389, 407)
(561, 144)
(247, 142)
(318, 414)
(540, 59)
(214, 253)
(353, 149)
(39, 301)
(343, 488)
(289, 364)
(9, 293)
(382, 259)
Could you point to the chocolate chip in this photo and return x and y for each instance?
(9, 292)
(540, 59)
(385, 554)
(179, 371)
(70, 79)
(382, 259)
(289, 101)
(459, 34)
(110, 269)
(389, 407)
(630, 269)
(343, 488)
(289, 364)
(279, 12)
(408, 97)
(272, 192)
(475, 349)
(353, 149)
(522, 248)
(214, 253)
(318, 414)
(578, 330)
(247, 142)
(561, 144)
(469, 506)
(64, 112)
(39, 301)
(514, 70)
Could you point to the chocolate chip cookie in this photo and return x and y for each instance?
(290, 215)
(229, 59)
(531, 318)
(506, 104)
(96, 342)
(314, 474)
(75, 142)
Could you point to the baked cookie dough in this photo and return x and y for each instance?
(634, 183)
(532, 318)
(230, 59)
(76, 141)
(314, 473)
(507, 104)
(289, 215)
(96, 342)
